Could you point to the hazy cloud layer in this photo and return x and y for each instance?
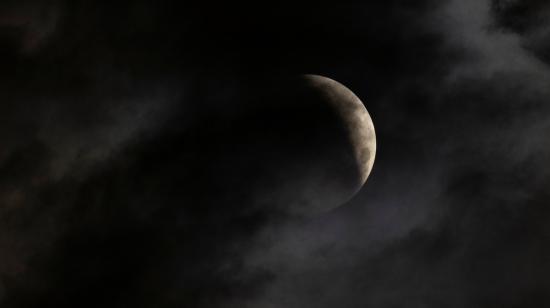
(111, 191)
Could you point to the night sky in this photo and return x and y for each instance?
(125, 180)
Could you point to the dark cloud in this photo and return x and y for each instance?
(529, 19)
(123, 182)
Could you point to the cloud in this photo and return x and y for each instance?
(109, 195)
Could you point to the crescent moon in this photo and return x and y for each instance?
(356, 119)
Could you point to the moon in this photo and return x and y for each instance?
(325, 143)
(355, 117)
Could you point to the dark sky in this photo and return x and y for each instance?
(114, 191)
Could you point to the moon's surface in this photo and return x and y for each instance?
(302, 145)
